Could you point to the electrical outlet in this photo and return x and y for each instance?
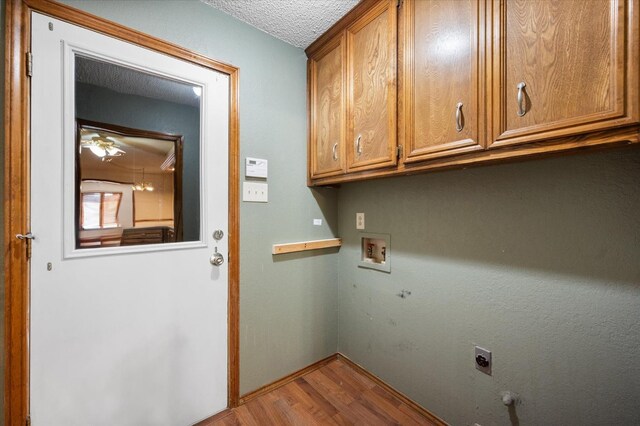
(317, 222)
(483, 360)
(359, 220)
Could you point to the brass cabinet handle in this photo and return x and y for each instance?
(358, 145)
(334, 151)
(521, 110)
(459, 124)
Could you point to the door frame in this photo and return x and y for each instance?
(16, 203)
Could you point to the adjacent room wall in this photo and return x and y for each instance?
(288, 304)
(537, 261)
(100, 104)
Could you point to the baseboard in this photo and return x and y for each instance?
(286, 379)
(316, 365)
(215, 418)
(402, 397)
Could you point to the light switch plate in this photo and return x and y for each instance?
(255, 192)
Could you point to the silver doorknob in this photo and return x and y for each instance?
(28, 236)
(216, 258)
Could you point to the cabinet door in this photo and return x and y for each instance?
(371, 58)
(562, 67)
(439, 71)
(327, 110)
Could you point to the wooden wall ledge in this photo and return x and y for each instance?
(306, 245)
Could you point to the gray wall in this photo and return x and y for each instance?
(538, 262)
(288, 305)
(138, 112)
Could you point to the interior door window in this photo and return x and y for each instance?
(137, 134)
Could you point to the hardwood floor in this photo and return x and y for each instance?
(334, 394)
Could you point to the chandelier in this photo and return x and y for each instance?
(142, 185)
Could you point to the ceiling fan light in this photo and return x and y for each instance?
(98, 151)
(114, 151)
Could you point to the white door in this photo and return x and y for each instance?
(136, 334)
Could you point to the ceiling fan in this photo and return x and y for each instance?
(102, 146)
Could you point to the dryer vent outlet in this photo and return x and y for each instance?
(483, 360)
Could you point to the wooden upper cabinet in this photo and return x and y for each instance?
(439, 55)
(454, 83)
(327, 110)
(561, 68)
(371, 75)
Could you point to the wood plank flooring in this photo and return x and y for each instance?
(334, 394)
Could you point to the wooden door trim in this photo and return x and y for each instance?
(16, 201)
(16, 211)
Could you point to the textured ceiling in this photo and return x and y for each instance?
(132, 82)
(298, 22)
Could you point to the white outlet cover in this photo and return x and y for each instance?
(255, 192)
(317, 222)
(359, 220)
